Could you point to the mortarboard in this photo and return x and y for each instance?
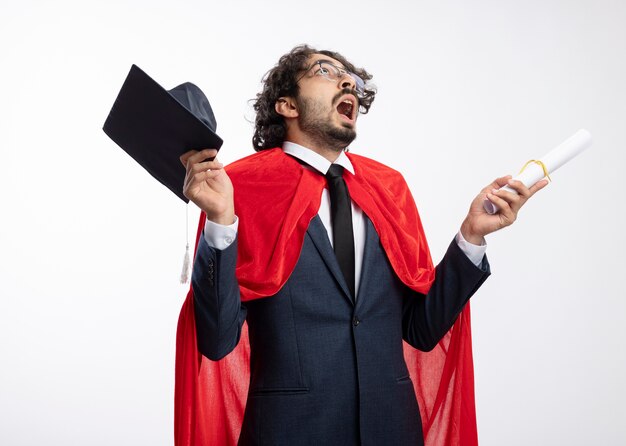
(156, 126)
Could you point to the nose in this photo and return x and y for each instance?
(347, 81)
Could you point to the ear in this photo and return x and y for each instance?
(287, 107)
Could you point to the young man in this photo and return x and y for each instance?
(323, 255)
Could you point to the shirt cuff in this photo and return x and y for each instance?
(220, 236)
(473, 252)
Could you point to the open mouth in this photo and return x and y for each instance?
(347, 107)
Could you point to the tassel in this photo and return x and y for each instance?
(184, 275)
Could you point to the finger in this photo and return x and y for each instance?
(497, 183)
(502, 181)
(505, 209)
(500, 202)
(201, 156)
(185, 156)
(207, 165)
(194, 181)
(538, 186)
(510, 197)
(205, 175)
(520, 188)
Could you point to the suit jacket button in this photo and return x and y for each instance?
(355, 322)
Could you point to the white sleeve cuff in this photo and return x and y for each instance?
(473, 252)
(220, 236)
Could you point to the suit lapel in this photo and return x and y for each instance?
(371, 237)
(320, 239)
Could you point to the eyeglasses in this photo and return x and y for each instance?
(332, 72)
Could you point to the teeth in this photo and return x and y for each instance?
(345, 108)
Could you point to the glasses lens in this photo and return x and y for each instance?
(332, 72)
(359, 84)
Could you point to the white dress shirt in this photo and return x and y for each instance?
(220, 236)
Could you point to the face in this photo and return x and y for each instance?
(326, 104)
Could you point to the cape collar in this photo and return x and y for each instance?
(314, 159)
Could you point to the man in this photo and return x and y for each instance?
(329, 292)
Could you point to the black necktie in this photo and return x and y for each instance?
(341, 218)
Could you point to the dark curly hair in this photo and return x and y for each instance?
(270, 127)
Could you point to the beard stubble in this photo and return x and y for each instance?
(315, 122)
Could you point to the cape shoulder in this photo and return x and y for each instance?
(267, 183)
(373, 172)
(262, 162)
(370, 165)
(275, 200)
(386, 199)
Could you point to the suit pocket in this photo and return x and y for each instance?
(279, 391)
(404, 379)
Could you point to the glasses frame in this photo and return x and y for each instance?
(359, 84)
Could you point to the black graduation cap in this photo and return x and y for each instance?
(156, 126)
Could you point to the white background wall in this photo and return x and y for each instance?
(91, 246)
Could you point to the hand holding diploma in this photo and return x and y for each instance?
(479, 223)
(534, 170)
(497, 204)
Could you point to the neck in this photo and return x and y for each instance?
(331, 153)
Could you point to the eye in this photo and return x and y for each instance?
(323, 71)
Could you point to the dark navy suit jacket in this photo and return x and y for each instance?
(326, 370)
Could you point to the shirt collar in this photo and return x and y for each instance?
(315, 160)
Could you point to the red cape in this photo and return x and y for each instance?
(275, 200)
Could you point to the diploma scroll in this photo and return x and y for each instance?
(561, 154)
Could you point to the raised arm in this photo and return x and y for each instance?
(217, 306)
(426, 319)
